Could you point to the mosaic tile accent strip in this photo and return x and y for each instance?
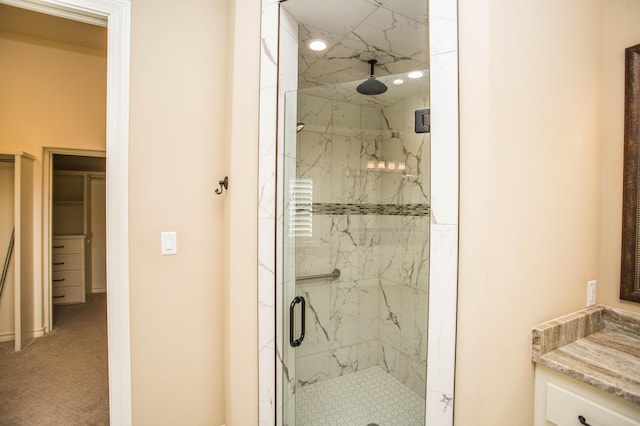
(371, 209)
(369, 396)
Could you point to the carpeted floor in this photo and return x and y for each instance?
(60, 378)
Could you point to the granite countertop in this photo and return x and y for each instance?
(597, 345)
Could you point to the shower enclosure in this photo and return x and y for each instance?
(357, 228)
(355, 257)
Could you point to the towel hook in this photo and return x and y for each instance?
(224, 184)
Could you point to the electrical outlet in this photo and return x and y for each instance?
(591, 293)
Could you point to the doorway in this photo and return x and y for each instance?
(355, 255)
(118, 14)
(75, 226)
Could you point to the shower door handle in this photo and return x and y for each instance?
(296, 342)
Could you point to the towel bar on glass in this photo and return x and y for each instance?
(333, 274)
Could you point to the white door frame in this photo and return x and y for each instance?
(116, 14)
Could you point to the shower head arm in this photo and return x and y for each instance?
(372, 62)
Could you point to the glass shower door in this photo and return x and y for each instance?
(355, 255)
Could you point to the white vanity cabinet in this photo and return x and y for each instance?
(67, 269)
(561, 400)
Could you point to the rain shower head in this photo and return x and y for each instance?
(371, 86)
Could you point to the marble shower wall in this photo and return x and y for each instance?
(375, 313)
(404, 248)
(341, 330)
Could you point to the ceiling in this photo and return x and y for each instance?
(394, 32)
(52, 28)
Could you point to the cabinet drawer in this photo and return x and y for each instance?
(66, 245)
(62, 295)
(564, 407)
(66, 278)
(65, 262)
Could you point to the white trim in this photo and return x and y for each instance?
(118, 15)
(7, 336)
(67, 13)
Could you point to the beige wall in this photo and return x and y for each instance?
(621, 30)
(241, 212)
(177, 155)
(530, 174)
(53, 95)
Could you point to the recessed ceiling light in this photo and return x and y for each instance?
(415, 74)
(317, 45)
(398, 81)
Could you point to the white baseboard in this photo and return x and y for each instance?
(99, 290)
(9, 336)
(6, 336)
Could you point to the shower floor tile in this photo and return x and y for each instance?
(358, 399)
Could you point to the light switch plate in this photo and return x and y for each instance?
(168, 243)
(591, 293)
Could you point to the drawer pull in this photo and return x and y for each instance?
(58, 297)
(58, 246)
(583, 421)
(58, 263)
(58, 280)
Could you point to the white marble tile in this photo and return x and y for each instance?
(346, 169)
(306, 33)
(318, 326)
(313, 368)
(389, 327)
(389, 358)
(416, 377)
(416, 10)
(288, 65)
(266, 218)
(343, 361)
(439, 408)
(443, 25)
(316, 113)
(368, 310)
(288, 25)
(269, 47)
(370, 189)
(345, 119)
(267, 171)
(344, 249)
(392, 120)
(444, 135)
(413, 318)
(314, 163)
(335, 16)
(412, 374)
(345, 297)
(367, 355)
(371, 120)
(368, 247)
(392, 32)
(313, 255)
(442, 315)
